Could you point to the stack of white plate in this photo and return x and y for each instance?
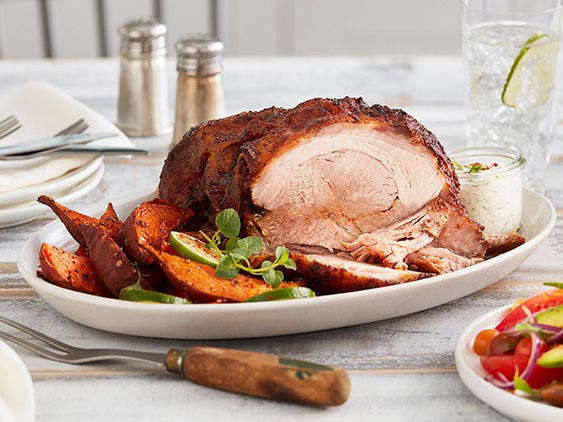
(19, 206)
(43, 110)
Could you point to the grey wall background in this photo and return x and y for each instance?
(87, 28)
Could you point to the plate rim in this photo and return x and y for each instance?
(503, 401)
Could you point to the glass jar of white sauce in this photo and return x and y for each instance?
(490, 181)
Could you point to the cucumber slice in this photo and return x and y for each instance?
(136, 294)
(283, 294)
(538, 52)
(192, 248)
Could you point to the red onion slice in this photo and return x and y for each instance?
(534, 356)
(505, 384)
(557, 337)
(546, 328)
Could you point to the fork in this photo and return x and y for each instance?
(77, 127)
(257, 374)
(8, 125)
(74, 128)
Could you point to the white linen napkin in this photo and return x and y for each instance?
(43, 110)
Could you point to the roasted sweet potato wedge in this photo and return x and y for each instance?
(110, 263)
(199, 283)
(69, 271)
(73, 219)
(152, 277)
(148, 225)
(110, 222)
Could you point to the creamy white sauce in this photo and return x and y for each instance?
(493, 199)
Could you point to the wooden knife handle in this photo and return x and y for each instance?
(263, 375)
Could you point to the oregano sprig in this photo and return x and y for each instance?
(237, 252)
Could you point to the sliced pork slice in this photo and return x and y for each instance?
(500, 243)
(391, 245)
(438, 260)
(332, 274)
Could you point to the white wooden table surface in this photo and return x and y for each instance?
(401, 369)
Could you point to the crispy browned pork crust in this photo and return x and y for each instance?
(203, 171)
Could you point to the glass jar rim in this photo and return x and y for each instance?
(465, 6)
(515, 165)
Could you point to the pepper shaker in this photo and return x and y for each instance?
(143, 106)
(199, 92)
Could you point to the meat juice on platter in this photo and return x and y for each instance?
(363, 196)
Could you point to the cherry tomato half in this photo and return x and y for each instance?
(482, 341)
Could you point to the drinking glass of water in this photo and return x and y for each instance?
(510, 56)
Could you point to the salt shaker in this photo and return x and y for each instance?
(142, 106)
(199, 92)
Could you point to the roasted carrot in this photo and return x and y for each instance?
(148, 225)
(69, 271)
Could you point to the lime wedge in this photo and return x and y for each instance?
(282, 294)
(537, 54)
(192, 248)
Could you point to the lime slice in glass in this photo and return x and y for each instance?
(192, 248)
(537, 56)
(283, 294)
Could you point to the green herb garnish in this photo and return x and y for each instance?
(472, 167)
(235, 256)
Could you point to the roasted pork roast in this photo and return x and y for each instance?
(336, 181)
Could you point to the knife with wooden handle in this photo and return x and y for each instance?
(263, 375)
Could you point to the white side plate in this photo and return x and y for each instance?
(239, 320)
(17, 399)
(472, 373)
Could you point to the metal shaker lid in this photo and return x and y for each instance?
(199, 54)
(141, 36)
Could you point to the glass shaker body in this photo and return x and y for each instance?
(198, 99)
(199, 91)
(142, 105)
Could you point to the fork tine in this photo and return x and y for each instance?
(49, 340)
(34, 347)
(79, 129)
(8, 121)
(9, 125)
(9, 129)
(68, 130)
